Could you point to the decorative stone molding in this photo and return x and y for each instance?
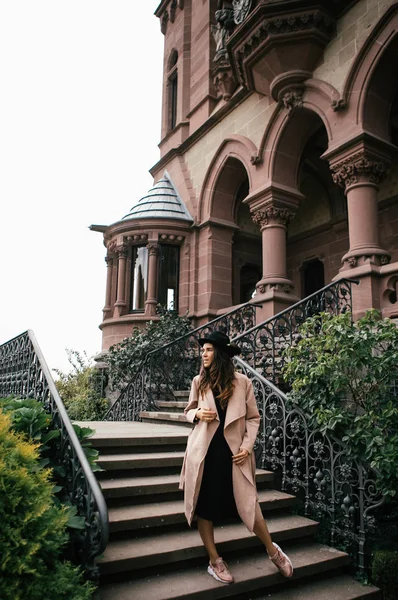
(112, 246)
(153, 249)
(359, 165)
(109, 260)
(241, 9)
(262, 288)
(171, 237)
(137, 237)
(267, 35)
(385, 259)
(292, 99)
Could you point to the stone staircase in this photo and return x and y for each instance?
(153, 554)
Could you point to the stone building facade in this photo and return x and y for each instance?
(279, 166)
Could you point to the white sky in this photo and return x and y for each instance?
(79, 127)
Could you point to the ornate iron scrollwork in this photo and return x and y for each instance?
(317, 468)
(25, 374)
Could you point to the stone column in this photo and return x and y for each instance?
(151, 301)
(271, 210)
(108, 294)
(360, 175)
(359, 171)
(120, 303)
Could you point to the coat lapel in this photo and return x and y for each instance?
(236, 408)
(209, 402)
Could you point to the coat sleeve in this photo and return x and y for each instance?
(252, 419)
(192, 406)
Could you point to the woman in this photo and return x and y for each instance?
(218, 473)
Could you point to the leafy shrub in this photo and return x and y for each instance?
(385, 573)
(32, 527)
(29, 418)
(125, 358)
(79, 390)
(344, 376)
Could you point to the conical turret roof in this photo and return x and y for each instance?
(161, 202)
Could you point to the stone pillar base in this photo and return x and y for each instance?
(367, 294)
(272, 301)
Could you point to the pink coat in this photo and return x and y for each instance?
(241, 425)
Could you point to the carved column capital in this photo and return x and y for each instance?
(362, 166)
(153, 249)
(121, 250)
(271, 214)
(109, 260)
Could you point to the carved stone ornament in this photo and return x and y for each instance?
(260, 218)
(112, 246)
(255, 160)
(109, 260)
(359, 165)
(292, 99)
(224, 80)
(173, 7)
(352, 261)
(339, 104)
(261, 289)
(153, 249)
(164, 21)
(241, 10)
(384, 259)
(122, 250)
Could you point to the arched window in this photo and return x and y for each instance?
(172, 84)
(138, 278)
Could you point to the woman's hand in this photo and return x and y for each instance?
(240, 458)
(206, 414)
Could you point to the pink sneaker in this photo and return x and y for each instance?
(219, 570)
(282, 561)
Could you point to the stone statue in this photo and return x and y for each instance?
(221, 31)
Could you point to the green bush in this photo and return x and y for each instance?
(385, 573)
(32, 527)
(125, 358)
(344, 377)
(79, 390)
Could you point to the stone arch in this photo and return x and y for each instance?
(235, 152)
(368, 92)
(298, 115)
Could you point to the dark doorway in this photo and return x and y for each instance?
(313, 276)
(249, 276)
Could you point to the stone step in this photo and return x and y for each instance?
(252, 573)
(156, 484)
(172, 406)
(181, 394)
(145, 460)
(164, 417)
(338, 587)
(140, 553)
(145, 516)
(116, 435)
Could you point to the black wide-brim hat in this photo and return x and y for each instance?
(221, 341)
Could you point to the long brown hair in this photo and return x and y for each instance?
(218, 377)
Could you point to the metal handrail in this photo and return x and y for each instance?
(24, 373)
(123, 408)
(262, 344)
(316, 467)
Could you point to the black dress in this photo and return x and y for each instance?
(216, 500)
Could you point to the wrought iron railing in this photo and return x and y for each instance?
(262, 345)
(173, 366)
(25, 374)
(317, 468)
